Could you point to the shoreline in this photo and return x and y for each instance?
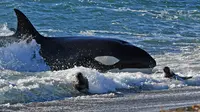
(153, 101)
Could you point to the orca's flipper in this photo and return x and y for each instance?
(24, 26)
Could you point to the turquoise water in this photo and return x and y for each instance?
(168, 30)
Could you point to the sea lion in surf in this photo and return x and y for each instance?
(171, 75)
(81, 84)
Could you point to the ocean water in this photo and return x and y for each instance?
(168, 30)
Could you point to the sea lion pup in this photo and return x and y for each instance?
(172, 75)
(81, 84)
(168, 73)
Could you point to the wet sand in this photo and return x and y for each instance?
(149, 101)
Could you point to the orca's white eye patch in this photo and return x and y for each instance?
(107, 60)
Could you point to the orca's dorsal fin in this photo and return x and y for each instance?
(24, 26)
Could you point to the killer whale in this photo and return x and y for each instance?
(61, 53)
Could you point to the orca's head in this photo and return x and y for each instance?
(127, 56)
(134, 57)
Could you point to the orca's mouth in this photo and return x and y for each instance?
(123, 65)
(132, 70)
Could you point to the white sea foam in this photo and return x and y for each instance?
(22, 57)
(4, 30)
(45, 86)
